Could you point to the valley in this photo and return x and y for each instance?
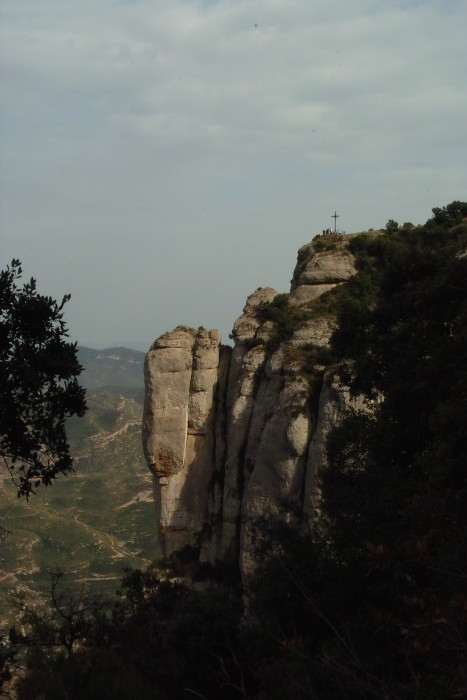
(99, 520)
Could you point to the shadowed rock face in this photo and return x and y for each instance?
(232, 435)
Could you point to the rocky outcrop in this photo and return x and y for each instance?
(182, 378)
(235, 434)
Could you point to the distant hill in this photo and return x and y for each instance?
(112, 367)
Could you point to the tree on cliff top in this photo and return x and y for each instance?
(38, 383)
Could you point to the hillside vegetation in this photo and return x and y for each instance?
(93, 523)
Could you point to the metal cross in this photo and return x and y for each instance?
(335, 217)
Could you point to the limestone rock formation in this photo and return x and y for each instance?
(319, 268)
(235, 434)
(181, 375)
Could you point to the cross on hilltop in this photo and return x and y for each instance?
(328, 231)
(335, 216)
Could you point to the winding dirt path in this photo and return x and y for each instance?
(117, 547)
(112, 436)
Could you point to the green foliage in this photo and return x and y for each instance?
(67, 652)
(394, 494)
(163, 640)
(374, 626)
(326, 243)
(97, 674)
(7, 658)
(392, 226)
(310, 359)
(403, 328)
(285, 317)
(38, 380)
(451, 214)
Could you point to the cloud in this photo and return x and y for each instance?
(204, 142)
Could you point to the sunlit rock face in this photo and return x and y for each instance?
(233, 435)
(181, 376)
(321, 263)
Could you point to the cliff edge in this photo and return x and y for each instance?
(236, 434)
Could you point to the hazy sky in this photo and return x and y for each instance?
(161, 159)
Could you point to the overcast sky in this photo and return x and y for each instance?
(161, 159)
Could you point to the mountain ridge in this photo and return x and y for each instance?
(116, 367)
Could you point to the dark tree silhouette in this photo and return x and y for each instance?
(38, 383)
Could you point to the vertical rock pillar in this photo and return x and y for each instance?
(181, 371)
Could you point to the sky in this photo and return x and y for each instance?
(161, 159)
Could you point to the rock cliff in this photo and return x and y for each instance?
(235, 434)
